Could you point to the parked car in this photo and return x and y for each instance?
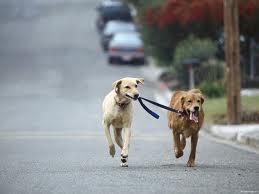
(112, 10)
(126, 47)
(113, 27)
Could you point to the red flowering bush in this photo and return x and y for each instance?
(202, 12)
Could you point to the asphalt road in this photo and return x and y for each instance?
(53, 77)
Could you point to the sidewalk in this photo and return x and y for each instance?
(247, 134)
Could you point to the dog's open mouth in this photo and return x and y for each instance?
(131, 97)
(194, 116)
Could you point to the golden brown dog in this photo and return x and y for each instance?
(189, 123)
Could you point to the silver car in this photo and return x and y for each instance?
(113, 27)
(126, 47)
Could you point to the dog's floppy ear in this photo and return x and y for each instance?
(140, 80)
(202, 99)
(116, 85)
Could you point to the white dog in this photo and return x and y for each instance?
(117, 112)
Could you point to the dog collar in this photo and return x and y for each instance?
(121, 105)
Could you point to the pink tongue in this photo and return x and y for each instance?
(193, 117)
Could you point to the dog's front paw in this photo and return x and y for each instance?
(124, 164)
(124, 161)
(112, 150)
(178, 153)
(190, 163)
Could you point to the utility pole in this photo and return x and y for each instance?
(232, 55)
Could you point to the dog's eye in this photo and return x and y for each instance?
(136, 86)
(127, 87)
(189, 101)
(198, 101)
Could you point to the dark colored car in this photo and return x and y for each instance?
(113, 27)
(126, 47)
(112, 10)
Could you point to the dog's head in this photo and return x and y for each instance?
(192, 104)
(128, 87)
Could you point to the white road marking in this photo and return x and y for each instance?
(79, 135)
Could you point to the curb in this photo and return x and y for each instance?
(242, 134)
(249, 138)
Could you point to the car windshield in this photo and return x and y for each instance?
(113, 27)
(109, 4)
(114, 12)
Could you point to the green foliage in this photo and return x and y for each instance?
(211, 70)
(192, 47)
(212, 89)
(210, 78)
(216, 109)
(157, 42)
(247, 82)
(166, 23)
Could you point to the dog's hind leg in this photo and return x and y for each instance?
(183, 142)
(117, 137)
(194, 140)
(106, 127)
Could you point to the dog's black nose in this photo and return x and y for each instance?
(136, 96)
(196, 108)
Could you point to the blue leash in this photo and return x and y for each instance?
(156, 104)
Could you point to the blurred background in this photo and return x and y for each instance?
(54, 58)
(59, 58)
